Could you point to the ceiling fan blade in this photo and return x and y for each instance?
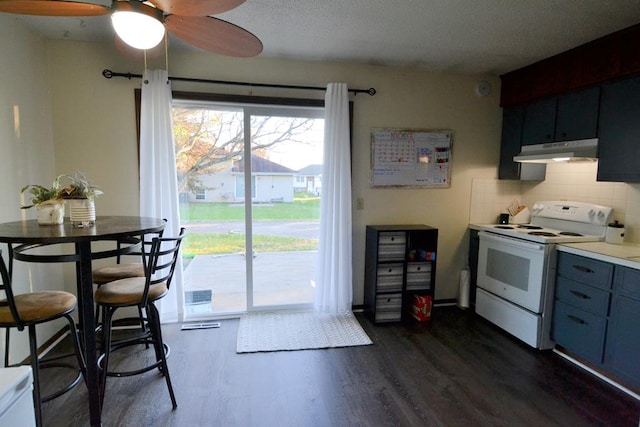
(214, 35)
(52, 8)
(196, 7)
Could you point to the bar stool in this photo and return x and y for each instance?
(140, 292)
(121, 270)
(31, 309)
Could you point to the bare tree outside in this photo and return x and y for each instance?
(207, 140)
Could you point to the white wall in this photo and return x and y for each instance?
(27, 153)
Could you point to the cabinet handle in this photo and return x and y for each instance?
(393, 238)
(390, 270)
(577, 319)
(418, 269)
(580, 294)
(583, 269)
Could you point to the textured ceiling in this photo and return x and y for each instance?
(460, 36)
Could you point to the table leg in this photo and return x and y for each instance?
(88, 328)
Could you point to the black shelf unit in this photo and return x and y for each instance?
(400, 262)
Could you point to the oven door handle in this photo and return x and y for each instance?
(505, 240)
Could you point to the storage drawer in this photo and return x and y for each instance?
(581, 296)
(418, 275)
(392, 246)
(389, 278)
(388, 307)
(578, 331)
(585, 270)
(627, 281)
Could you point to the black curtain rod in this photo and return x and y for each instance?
(109, 74)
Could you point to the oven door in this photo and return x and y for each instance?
(513, 269)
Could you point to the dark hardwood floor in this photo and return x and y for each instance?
(459, 370)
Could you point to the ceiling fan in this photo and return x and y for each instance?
(189, 20)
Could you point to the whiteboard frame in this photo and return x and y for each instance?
(412, 184)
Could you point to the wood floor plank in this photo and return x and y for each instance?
(458, 370)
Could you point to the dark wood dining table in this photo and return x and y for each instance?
(25, 237)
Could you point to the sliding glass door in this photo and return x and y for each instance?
(250, 180)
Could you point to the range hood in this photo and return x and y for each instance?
(584, 150)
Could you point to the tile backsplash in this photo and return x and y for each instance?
(575, 182)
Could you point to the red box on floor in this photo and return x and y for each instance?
(421, 307)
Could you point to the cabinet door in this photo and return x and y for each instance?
(539, 121)
(578, 331)
(623, 340)
(577, 115)
(619, 131)
(510, 145)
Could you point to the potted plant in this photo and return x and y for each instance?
(80, 194)
(47, 201)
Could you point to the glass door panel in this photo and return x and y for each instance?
(250, 184)
(286, 172)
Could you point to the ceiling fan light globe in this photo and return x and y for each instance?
(137, 29)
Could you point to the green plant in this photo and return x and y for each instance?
(79, 187)
(43, 195)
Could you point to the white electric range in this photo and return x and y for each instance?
(516, 265)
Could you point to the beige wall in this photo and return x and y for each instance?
(26, 154)
(94, 130)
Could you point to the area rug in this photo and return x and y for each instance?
(299, 330)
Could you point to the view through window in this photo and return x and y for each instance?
(250, 182)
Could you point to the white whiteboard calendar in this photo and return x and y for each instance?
(411, 158)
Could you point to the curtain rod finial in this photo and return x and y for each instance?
(107, 73)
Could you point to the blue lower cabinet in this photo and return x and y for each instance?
(579, 332)
(622, 355)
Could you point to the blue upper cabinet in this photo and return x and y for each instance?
(577, 115)
(619, 131)
(539, 121)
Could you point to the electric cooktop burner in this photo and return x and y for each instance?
(530, 227)
(569, 233)
(504, 227)
(542, 233)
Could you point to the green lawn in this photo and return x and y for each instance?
(209, 243)
(302, 209)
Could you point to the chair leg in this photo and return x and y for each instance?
(107, 313)
(35, 367)
(6, 346)
(76, 347)
(154, 320)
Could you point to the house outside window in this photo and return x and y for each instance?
(201, 195)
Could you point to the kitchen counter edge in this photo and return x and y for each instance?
(627, 254)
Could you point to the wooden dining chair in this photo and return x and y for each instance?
(141, 292)
(31, 309)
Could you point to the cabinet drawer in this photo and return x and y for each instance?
(578, 331)
(582, 296)
(627, 281)
(418, 275)
(585, 270)
(389, 278)
(388, 307)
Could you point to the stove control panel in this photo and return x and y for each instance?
(588, 213)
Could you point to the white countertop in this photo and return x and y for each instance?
(627, 254)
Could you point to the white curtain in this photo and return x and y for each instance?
(334, 291)
(158, 184)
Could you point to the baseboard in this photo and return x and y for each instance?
(597, 374)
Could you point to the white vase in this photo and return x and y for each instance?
(82, 212)
(50, 212)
